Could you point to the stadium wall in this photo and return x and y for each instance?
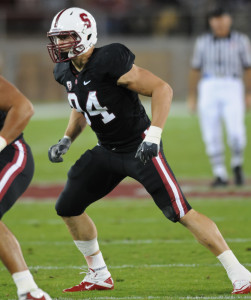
(26, 63)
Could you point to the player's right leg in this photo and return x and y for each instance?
(90, 179)
(84, 234)
(16, 171)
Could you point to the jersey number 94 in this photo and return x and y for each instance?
(93, 107)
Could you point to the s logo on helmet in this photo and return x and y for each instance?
(85, 19)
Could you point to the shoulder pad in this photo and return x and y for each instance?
(60, 70)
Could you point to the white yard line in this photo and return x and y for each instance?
(132, 242)
(159, 297)
(131, 266)
(218, 297)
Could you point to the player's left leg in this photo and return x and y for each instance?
(234, 118)
(205, 231)
(208, 234)
(160, 182)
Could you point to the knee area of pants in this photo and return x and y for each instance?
(170, 214)
(66, 212)
(237, 141)
(214, 151)
(61, 211)
(237, 146)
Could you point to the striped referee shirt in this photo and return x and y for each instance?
(222, 57)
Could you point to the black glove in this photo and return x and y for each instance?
(59, 149)
(147, 151)
(149, 148)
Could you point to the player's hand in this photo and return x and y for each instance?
(147, 151)
(150, 146)
(55, 152)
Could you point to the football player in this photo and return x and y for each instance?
(102, 85)
(16, 172)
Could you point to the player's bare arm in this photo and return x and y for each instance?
(76, 125)
(146, 83)
(194, 77)
(19, 110)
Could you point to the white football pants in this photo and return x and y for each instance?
(221, 100)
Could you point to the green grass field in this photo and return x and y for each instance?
(182, 141)
(148, 256)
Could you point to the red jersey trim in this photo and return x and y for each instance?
(171, 186)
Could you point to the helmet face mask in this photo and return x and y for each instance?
(77, 28)
(59, 52)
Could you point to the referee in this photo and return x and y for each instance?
(219, 61)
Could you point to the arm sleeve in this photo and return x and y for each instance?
(196, 61)
(118, 60)
(245, 51)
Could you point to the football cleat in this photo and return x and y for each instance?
(242, 287)
(238, 175)
(93, 281)
(37, 294)
(219, 182)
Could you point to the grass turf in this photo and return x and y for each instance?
(182, 141)
(147, 255)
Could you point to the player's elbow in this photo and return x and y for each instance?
(28, 110)
(167, 91)
(163, 91)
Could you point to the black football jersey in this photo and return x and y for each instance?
(114, 113)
